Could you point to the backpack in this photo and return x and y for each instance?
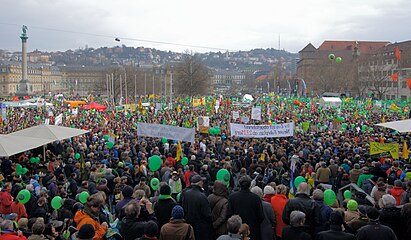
(392, 177)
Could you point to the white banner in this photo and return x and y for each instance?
(262, 131)
(203, 124)
(166, 131)
(59, 119)
(256, 113)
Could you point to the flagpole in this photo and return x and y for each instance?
(121, 89)
(145, 85)
(108, 95)
(125, 79)
(135, 86)
(153, 89)
(112, 88)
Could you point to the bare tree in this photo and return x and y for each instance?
(191, 76)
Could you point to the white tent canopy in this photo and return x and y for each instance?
(35, 137)
(327, 102)
(402, 126)
(247, 98)
(50, 132)
(11, 145)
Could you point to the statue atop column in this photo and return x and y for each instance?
(24, 29)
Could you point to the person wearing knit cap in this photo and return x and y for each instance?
(352, 211)
(177, 228)
(375, 230)
(164, 205)
(269, 192)
(127, 194)
(336, 231)
(86, 232)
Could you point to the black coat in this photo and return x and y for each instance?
(303, 203)
(197, 212)
(248, 205)
(375, 230)
(391, 217)
(163, 209)
(131, 228)
(295, 233)
(335, 233)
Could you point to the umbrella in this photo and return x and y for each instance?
(94, 105)
(400, 126)
(11, 145)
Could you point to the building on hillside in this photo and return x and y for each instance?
(224, 81)
(84, 80)
(322, 74)
(43, 79)
(383, 76)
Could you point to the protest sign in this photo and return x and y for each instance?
(166, 131)
(203, 124)
(392, 148)
(262, 131)
(256, 113)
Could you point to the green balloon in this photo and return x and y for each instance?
(37, 159)
(329, 197)
(24, 171)
(56, 202)
(347, 194)
(105, 137)
(154, 163)
(24, 196)
(298, 180)
(184, 161)
(32, 160)
(338, 59)
(154, 183)
(164, 140)
(83, 197)
(331, 56)
(110, 145)
(77, 156)
(363, 128)
(344, 126)
(19, 169)
(223, 175)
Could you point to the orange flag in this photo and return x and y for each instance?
(405, 153)
(409, 83)
(397, 53)
(395, 77)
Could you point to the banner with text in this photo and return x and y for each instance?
(262, 131)
(392, 148)
(256, 113)
(166, 131)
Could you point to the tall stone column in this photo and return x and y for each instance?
(24, 89)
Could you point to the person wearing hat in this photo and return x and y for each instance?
(355, 173)
(375, 230)
(164, 205)
(219, 204)
(177, 228)
(197, 209)
(352, 211)
(127, 195)
(336, 231)
(86, 232)
(248, 205)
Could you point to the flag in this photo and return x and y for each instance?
(356, 114)
(179, 151)
(112, 112)
(383, 119)
(394, 107)
(395, 77)
(397, 54)
(408, 83)
(15, 98)
(178, 109)
(405, 151)
(59, 119)
(141, 104)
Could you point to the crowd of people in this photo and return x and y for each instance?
(86, 188)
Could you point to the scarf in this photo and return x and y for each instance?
(163, 197)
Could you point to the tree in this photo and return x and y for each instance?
(375, 74)
(191, 76)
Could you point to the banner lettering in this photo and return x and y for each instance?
(262, 131)
(166, 131)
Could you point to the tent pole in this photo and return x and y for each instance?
(44, 153)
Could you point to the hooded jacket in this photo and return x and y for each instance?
(82, 217)
(219, 204)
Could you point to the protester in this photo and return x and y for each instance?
(375, 230)
(295, 231)
(233, 226)
(278, 203)
(267, 226)
(336, 231)
(219, 206)
(177, 228)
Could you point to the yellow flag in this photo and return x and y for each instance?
(394, 107)
(356, 114)
(383, 119)
(402, 117)
(178, 109)
(405, 151)
(179, 151)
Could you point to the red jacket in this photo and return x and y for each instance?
(396, 193)
(278, 203)
(19, 209)
(5, 202)
(12, 236)
(171, 162)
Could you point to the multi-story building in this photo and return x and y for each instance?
(223, 80)
(383, 76)
(84, 80)
(322, 74)
(42, 78)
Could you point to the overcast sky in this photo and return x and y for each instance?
(224, 24)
